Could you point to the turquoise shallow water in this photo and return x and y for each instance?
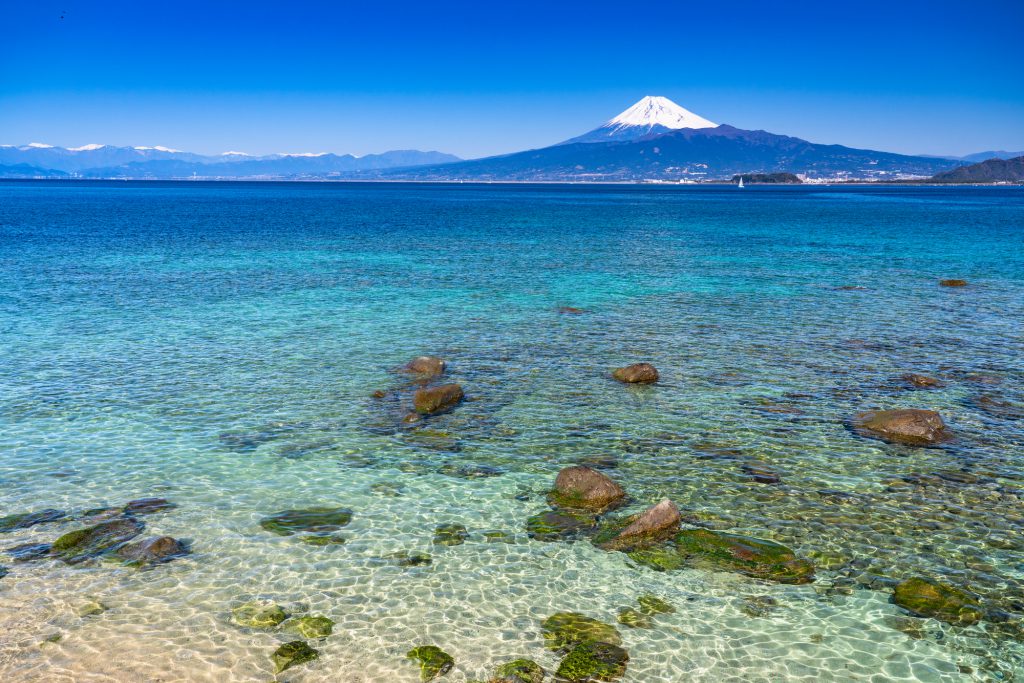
(219, 345)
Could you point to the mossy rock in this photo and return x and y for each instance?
(751, 556)
(450, 534)
(652, 604)
(4, 571)
(634, 618)
(148, 506)
(663, 558)
(311, 627)
(759, 606)
(317, 520)
(91, 608)
(324, 540)
(563, 630)
(258, 615)
(497, 536)
(292, 654)
(434, 662)
(926, 598)
(519, 671)
(593, 661)
(405, 558)
(83, 544)
(559, 526)
(28, 519)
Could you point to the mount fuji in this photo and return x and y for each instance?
(649, 116)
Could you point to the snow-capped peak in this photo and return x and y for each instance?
(235, 154)
(40, 145)
(86, 148)
(304, 154)
(659, 111)
(158, 148)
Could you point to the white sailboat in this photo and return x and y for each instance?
(741, 182)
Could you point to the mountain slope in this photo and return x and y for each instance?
(649, 116)
(29, 171)
(718, 152)
(991, 171)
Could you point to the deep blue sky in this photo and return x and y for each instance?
(475, 78)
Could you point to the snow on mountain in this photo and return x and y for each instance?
(158, 148)
(650, 116)
(86, 148)
(39, 145)
(234, 154)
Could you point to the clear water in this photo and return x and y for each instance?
(218, 345)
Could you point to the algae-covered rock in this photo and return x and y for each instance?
(28, 551)
(498, 536)
(90, 608)
(652, 604)
(638, 373)
(634, 618)
(434, 400)
(585, 488)
(317, 520)
(593, 661)
(450, 534)
(83, 544)
(320, 541)
(918, 381)
(563, 630)
(644, 529)
(911, 426)
(405, 558)
(518, 671)
(27, 519)
(292, 654)
(258, 615)
(4, 571)
(434, 662)
(930, 599)
(559, 526)
(152, 551)
(751, 556)
(663, 558)
(148, 506)
(759, 605)
(311, 627)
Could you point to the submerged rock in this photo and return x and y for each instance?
(292, 654)
(28, 551)
(593, 661)
(930, 599)
(761, 472)
(450, 534)
(147, 506)
(720, 551)
(582, 487)
(559, 526)
(83, 544)
(652, 604)
(317, 520)
(405, 558)
(518, 671)
(434, 400)
(911, 426)
(638, 373)
(434, 662)
(311, 627)
(28, 519)
(922, 381)
(152, 551)
(564, 630)
(464, 471)
(644, 529)
(4, 571)
(759, 605)
(258, 615)
(498, 536)
(634, 618)
(571, 310)
(998, 407)
(321, 541)
(90, 608)
(428, 366)
(953, 283)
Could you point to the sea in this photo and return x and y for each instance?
(234, 349)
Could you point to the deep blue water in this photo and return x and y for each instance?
(218, 344)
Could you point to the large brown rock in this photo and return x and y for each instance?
(152, 551)
(433, 400)
(429, 366)
(638, 373)
(653, 524)
(581, 487)
(953, 283)
(908, 426)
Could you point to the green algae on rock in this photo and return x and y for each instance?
(559, 526)
(405, 558)
(320, 541)
(434, 662)
(319, 520)
(83, 544)
(652, 604)
(311, 626)
(151, 551)
(593, 661)
(450, 534)
(148, 506)
(641, 530)
(27, 519)
(911, 426)
(498, 536)
(292, 654)
(563, 630)
(518, 671)
(664, 558)
(258, 615)
(926, 598)
(634, 618)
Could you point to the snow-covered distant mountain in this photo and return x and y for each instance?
(107, 161)
(649, 116)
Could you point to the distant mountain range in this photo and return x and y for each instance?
(655, 139)
(990, 171)
(108, 161)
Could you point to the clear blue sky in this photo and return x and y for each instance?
(482, 77)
